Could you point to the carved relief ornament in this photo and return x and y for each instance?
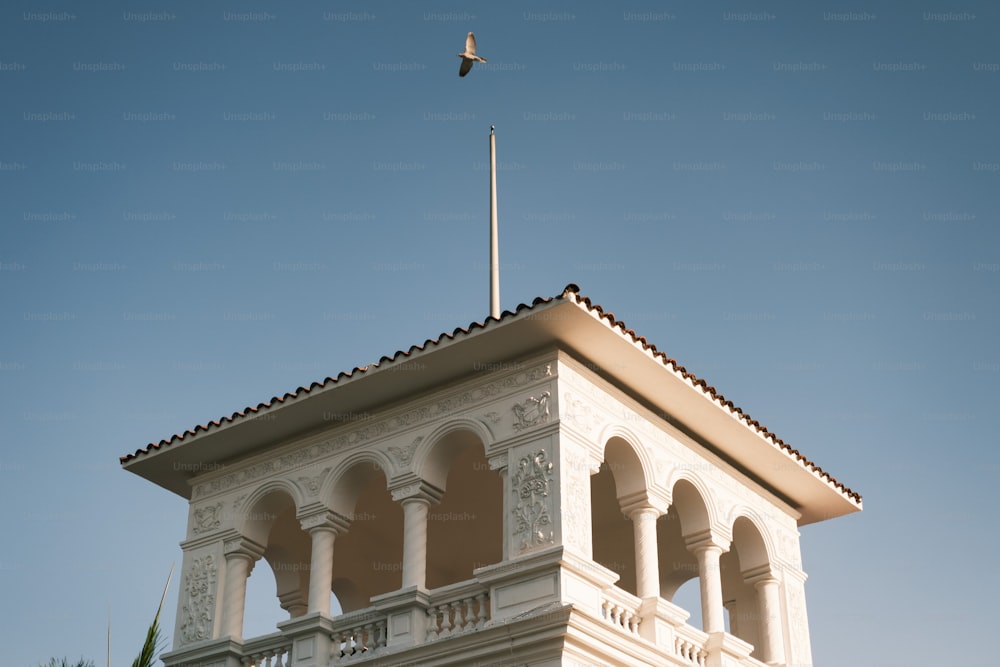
(531, 411)
(198, 601)
(207, 518)
(532, 519)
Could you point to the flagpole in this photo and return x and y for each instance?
(494, 237)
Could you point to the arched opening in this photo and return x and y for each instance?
(611, 531)
(368, 558)
(686, 519)
(746, 559)
(619, 481)
(283, 571)
(465, 529)
(688, 598)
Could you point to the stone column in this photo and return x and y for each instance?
(771, 644)
(731, 607)
(323, 529)
(416, 499)
(241, 554)
(647, 570)
(498, 463)
(708, 553)
(293, 603)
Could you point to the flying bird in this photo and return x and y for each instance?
(469, 56)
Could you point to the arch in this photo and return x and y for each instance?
(752, 540)
(260, 508)
(629, 461)
(269, 519)
(689, 496)
(622, 482)
(465, 528)
(689, 517)
(346, 482)
(367, 557)
(437, 452)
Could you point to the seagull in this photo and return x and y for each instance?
(469, 56)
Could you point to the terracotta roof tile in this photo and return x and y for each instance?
(571, 292)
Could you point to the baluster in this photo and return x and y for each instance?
(481, 612)
(370, 636)
(380, 639)
(432, 623)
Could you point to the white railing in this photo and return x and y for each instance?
(272, 650)
(457, 608)
(689, 645)
(621, 610)
(357, 635)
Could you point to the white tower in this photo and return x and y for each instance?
(534, 495)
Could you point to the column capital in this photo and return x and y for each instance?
(324, 520)
(242, 546)
(705, 540)
(416, 490)
(760, 575)
(643, 500)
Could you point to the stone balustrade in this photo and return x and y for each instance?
(274, 650)
(357, 635)
(689, 645)
(621, 609)
(462, 608)
(457, 608)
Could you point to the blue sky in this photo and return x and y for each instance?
(204, 205)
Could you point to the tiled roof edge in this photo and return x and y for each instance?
(329, 381)
(572, 292)
(710, 391)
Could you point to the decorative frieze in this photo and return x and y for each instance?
(198, 600)
(532, 515)
(372, 429)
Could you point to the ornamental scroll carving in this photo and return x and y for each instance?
(578, 487)
(404, 455)
(312, 484)
(531, 411)
(207, 518)
(198, 605)
(797, 624)
(532, 519)
(581, 414)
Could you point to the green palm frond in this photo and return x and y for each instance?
(64, 662)
(154, 642)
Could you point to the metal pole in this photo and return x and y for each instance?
(494, 239)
